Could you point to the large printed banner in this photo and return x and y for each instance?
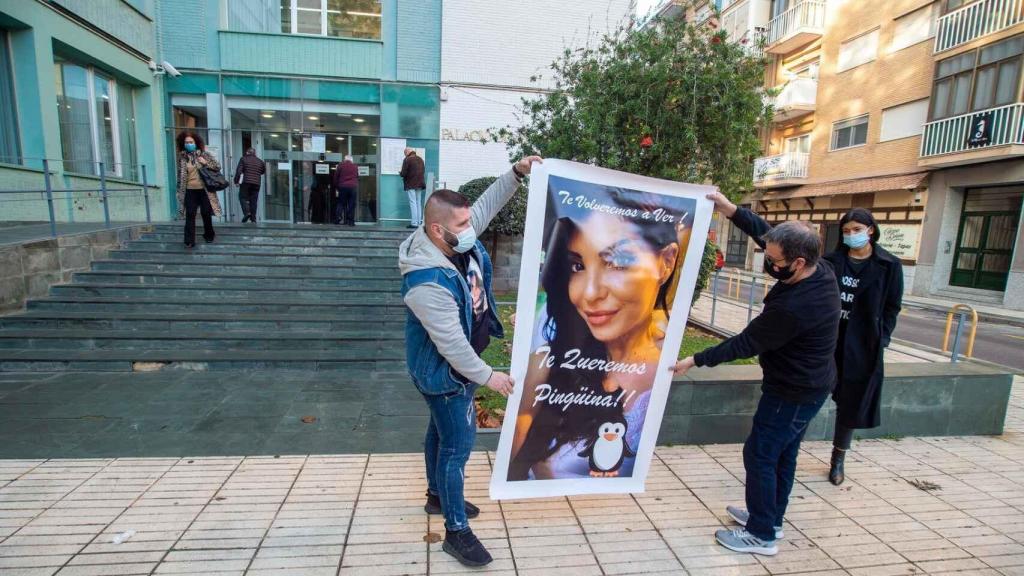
(609, 265)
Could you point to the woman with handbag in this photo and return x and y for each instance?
(193, 193)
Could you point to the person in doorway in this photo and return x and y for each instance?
(318, 208)
(191, 191)
(346, 182)
(248, 176)
(447, 327)
(871, 295)
(794, 339)
(412, 178)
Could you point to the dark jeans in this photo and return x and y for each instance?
(769, 457)
(449, 441)
(346, 208)
(248, 196)
(197, 199)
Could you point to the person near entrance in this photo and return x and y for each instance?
(412, 173)
(248, 176)
(871, 295)
(446, 286)
(794, 339)
(192, 194)
(346, 182)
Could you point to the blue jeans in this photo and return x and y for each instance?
(450, 437)
(769, 457)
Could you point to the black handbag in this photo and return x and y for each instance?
(213, 180)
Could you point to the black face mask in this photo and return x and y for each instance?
(780, 275)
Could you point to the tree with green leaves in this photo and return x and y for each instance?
(674, 100)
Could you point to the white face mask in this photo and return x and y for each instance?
(464, 241)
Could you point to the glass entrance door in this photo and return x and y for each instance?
(988, 231)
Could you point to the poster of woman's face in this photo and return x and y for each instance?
(610, 265)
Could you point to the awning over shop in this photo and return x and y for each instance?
(911, 181)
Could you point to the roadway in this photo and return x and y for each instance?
(999, 343)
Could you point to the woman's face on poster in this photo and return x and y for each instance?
(615, 276)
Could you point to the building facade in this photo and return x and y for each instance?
(910, 108)
(78, 96)
(495, 55)
(304, 83)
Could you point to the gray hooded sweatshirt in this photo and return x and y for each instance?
(433, 305)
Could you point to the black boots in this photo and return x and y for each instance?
(433, 506)
(466, 548)
(836, 475)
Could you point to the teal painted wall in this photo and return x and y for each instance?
(130, 21)
(300, 55)
(418, 42)
(36, 32)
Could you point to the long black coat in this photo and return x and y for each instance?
(872, 319)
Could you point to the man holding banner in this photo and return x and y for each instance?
(446, 285)
(794, 339)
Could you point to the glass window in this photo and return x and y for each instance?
(10, 147)
(857, 51)
(915, 27)
(799, 144)
(1007, 82)
(904, 120)
(94, 128)
(338, 18)
(126, 130)
(850, 133)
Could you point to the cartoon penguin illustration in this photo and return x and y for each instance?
(607, 449)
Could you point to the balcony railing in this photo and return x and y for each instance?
(974, 131)
(797, 98)
(770, 169)
(798, 25)
(977, 20)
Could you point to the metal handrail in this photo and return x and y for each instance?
(103, 190)
(961, 310)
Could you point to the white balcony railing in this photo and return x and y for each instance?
(781, 167)
(977, 20)
(797, 98)
(997, 127)
(808, 15)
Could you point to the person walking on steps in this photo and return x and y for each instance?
(451, 316)
(871, 295)
(346, 182)
(794, 339)
(412, 179)
(248, 176)
(192, 193)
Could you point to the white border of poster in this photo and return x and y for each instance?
(529, 280)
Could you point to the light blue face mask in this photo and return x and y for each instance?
(856, 240)
(190, 147)
(464, 241)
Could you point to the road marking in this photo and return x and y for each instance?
(1015, 336)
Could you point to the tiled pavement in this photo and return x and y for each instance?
(910, 506)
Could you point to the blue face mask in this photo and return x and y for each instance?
(190, 147)
(856, 240)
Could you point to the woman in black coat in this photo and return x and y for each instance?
(871, 289)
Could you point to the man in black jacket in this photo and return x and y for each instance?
(248, 176)
(794, 339)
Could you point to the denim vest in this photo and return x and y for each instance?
(430, 372)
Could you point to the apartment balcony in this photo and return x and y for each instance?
(781, 170)
(982, 136)
(795, 27)
(797, 99)
(976, 20)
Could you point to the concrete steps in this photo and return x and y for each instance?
(279, 297)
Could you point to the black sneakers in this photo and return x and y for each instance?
(466, 548)
(433, 506)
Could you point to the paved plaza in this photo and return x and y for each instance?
(909, 506)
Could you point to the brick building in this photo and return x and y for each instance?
(877, 103)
